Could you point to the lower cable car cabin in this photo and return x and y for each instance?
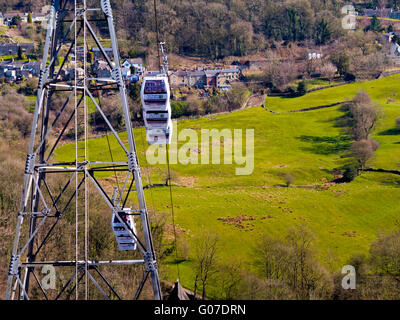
(156, 119)
(124, 239)
(160, 136)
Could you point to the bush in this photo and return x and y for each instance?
(289, 179)
(398, 124)
(350, 172)
(29, 87)
(178, 108)
(349, 77)
(301, 88)
(292, 91)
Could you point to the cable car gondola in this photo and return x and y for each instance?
(124, 239)
(155, 95)
(160, 135)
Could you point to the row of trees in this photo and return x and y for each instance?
(288, 268)
(360, 120)
(218, 101)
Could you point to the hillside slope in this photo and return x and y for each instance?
(345, 218)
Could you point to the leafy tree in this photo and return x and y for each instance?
(323, 34)
(375, 25)
(342, 62)
(20, 53)
(350, 172)
(90, 56)
(16, 21)
(30, 21)
(301, 88)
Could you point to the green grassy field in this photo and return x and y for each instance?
(345, 218)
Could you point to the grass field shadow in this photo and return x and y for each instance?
(390, 132)
(326, 145)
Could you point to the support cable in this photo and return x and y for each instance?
(172, 213)
(157, 33)
(167, 148)
(109, 148)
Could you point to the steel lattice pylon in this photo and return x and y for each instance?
(71, 24)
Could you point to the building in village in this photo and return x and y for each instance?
(393, 48)
(68, 74)
(208, 78)
(383, 12)
(11, 49)
(133, 67)
(101, 69)
(99, 55)
(13, 70)
(7, 18)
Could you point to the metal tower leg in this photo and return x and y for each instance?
(44, 209)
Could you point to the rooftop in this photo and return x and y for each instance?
(135, 61)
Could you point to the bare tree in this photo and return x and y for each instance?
(288, 178)
(363, 150)
(364, 115)
(230, 277)
(328, 70)
(291, 265)
(385, 254)
(205, 260)
(381, 6)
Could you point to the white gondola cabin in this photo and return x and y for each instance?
(160, 136)
(155, 95)
(156, 119)
(124, 239)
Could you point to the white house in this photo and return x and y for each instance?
(39, 17)
(315, 55)
(393, 47)
(132, 64)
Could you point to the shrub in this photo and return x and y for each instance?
(289, 179)
(301, 88)
(398, 123)
(178, 108)
(350, 172)
(349, 77)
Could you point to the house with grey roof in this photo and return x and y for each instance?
(209, 78)
(11, 70)
(101, 69)
(11, 49)
(99, 55)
